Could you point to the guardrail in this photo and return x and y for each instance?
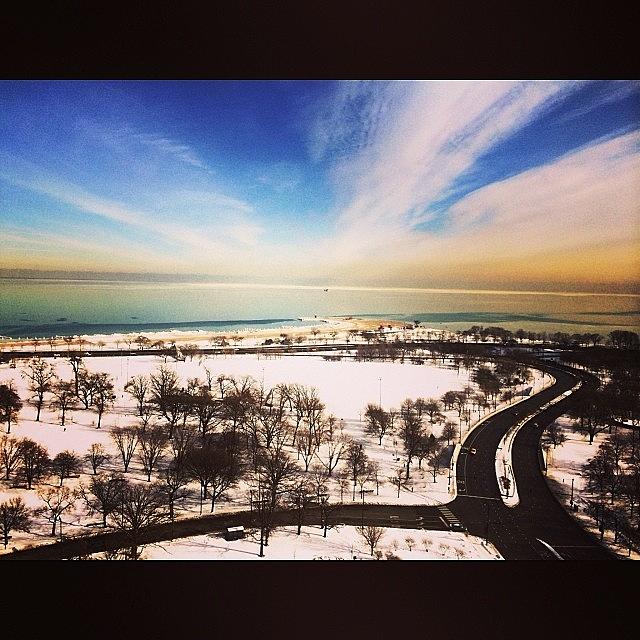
(507, 479)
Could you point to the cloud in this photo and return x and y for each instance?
(349, 120)
(215, 229)
(282, 177)
(416, 151)
(585, 197)
(576, 218)
(126, 140)
(178, 150)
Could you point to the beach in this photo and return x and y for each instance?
(323, 330)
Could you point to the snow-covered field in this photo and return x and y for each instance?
(345, 387)
(341, 543)
(564, 466)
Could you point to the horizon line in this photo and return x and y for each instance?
(312, 287)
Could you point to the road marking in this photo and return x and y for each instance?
(548, 546)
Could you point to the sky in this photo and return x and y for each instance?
(487, 184)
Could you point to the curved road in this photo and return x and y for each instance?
(516, 532)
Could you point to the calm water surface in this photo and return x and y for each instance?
(67, 307)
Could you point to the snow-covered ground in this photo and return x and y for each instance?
(341, 543)
(322, 330)
(565, 464)
(346, 387)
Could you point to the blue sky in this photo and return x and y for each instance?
(379, 183)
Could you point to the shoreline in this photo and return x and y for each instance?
(333, 327)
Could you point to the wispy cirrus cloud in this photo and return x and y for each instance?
(581, 198)
(575, 218)
(180, 151)
(218, 224)
(431, 139)
(127, 139)
(349, 120)
(421, 146)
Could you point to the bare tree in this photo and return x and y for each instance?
(371, 535)
(141, 506)
(277, 470)
(65, 464)
(103, 395)
(592, 414)
(64, 398)
(448, 431)
(152, 442)
(334, 445)
(555, 434)
(344, 482)
(300, 497)
(206, 408)
(378, 422)
(432, 407)
(97, 457)
(9, 454)
(103, 495)
(57, 500)
(164, 386)
(14, 516)
(434, 459)
(40, 375)
(410, 542)
(172, 485)
(34, 460)
(306, 445)
(411, 429)
(10, 405)
(356, 460)
(374, 474)
(126, 440)
(86, 383)
(139, 388)
(77, 366)
(397, 478)
(319, 477)
(184, 437)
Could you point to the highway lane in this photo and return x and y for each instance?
(516, 531)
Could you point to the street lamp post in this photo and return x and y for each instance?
(571, 500)
(323, 511)
(380, 394)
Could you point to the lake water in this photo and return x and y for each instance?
(41, 308)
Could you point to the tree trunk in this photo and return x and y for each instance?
(53, 530)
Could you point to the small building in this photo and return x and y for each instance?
(234, 533)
